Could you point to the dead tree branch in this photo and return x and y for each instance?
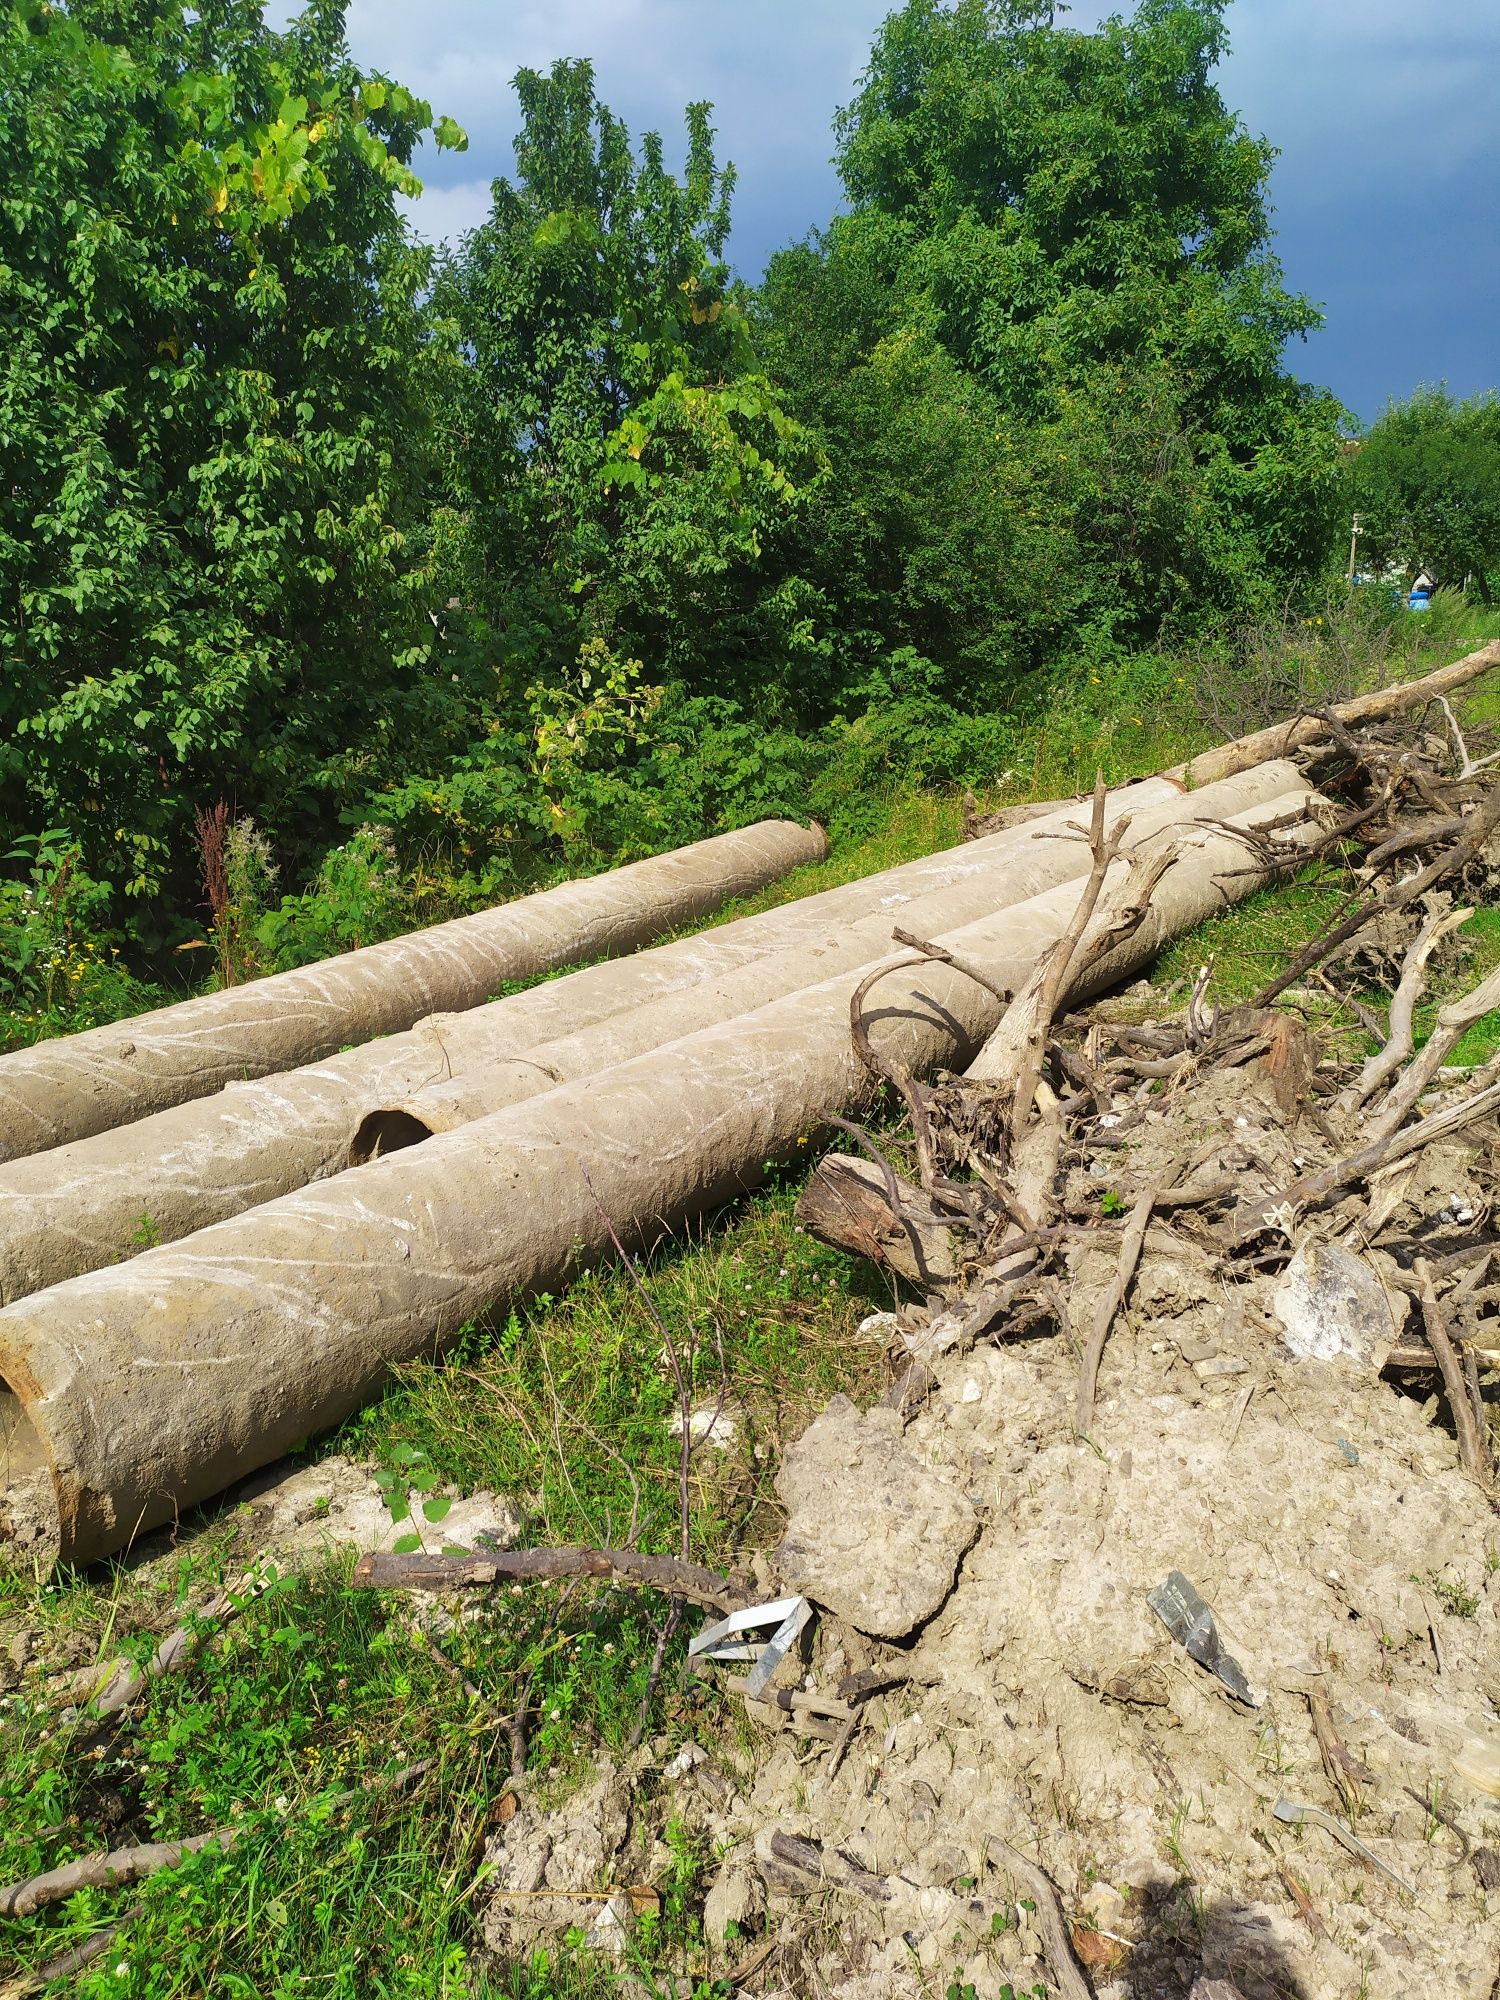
(1249, 1219)
(1453, 1023)
(1398, 1045)
(1114, 1298)
(134, 1864)
(1472, 1454)
(895, 1073)
(1481, 823)
(382, 1571)
(1467, 764)
(1071, 1984)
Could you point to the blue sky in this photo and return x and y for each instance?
(1387, 191)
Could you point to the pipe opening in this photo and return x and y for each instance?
(29, 1524)
(386, 1132)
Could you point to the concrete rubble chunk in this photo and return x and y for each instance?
(871, 1534)
(1332, 1307)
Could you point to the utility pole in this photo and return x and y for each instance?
(1354, 529)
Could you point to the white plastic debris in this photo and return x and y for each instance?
(711, 1426)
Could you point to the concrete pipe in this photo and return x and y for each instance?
(1026, 870)
(66, 1089)
(104, 1198)
(144, 1388)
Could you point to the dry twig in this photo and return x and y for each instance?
(1114, 1298)
(1472, 1454)
(1071, 1984)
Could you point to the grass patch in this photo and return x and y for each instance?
(316, 1690)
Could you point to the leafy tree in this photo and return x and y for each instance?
(1427, 486)
(1056, 261)
(620, 475)
(214, 566)
(623, 464)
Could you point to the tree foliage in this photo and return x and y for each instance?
(212, 548)
(565, 544)
(1058, 243)
(620, 444)
(1426, 483)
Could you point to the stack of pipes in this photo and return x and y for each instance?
(338, 1168)
(315, 1225)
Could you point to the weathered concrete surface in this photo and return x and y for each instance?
(103, 1198)
(155, 1383)
(66, 1089)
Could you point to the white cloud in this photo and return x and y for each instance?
(444, 214)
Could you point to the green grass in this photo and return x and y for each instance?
(564, 1407)
(317, 1689)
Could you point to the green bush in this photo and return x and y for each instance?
(60, 970)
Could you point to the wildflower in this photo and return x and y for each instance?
(609, 1646)
(557, 1715)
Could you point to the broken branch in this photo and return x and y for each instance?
(381, 1570)
(1114, 1298)
(1472, 1455)
(1071, 1984)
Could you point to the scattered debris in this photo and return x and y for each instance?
(1315, 1816)
(788, 1617)
(1331, 1304)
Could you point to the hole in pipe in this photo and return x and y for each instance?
(28, 1500)
(386, 1132)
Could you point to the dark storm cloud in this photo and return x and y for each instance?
(1387, 191)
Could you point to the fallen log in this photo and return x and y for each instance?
(141, 1389)
(102, 1199)
(79, 1084)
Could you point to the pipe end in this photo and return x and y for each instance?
(386, 1130)
(30, 1524)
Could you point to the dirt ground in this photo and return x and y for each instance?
(1321, 1512)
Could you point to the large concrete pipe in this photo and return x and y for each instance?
(66, 1089)
(141, 1389)
(1027, 870)
(100, 1199)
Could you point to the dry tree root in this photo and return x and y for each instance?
(1114, 1298)
(989, 1234)
(1061, 1963)
(111, 1689)
(68, 1962)
(136, 1863)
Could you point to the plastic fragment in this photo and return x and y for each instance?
(1191, 1623)
(1287, 1810)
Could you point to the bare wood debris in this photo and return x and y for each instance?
(1005, 1154)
